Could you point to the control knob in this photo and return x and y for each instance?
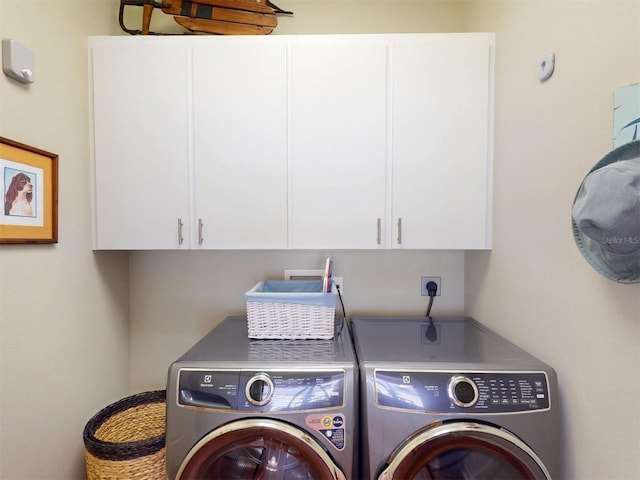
(259, 389)
(462, 391)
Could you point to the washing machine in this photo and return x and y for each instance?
(270, 409)
(451, 399)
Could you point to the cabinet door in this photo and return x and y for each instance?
(338, 130)
(240, 143)
(442, 92)
(140, 144)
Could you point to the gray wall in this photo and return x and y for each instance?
(535, 287)
(64, 320)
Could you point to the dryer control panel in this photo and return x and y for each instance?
(263, 391)
(464, 392)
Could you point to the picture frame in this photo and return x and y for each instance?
(29, 181)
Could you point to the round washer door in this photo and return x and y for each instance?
(464, 450)
(258, 448)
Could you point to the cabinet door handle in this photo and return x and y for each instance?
(180, 238)
(200, 225)
(379, 237)
(399, 231)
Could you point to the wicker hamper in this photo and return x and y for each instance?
(126, 440)
(290, 309)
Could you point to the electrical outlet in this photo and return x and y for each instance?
(337, 281)
(423, 285)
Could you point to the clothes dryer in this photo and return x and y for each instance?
(271, 409)
(449, 398)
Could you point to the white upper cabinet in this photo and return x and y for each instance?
(240, 144)
(140, 144)
(338, 126)
(391, 142)
(292, 142)
(441, 141)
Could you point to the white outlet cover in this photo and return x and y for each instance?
(303, 274)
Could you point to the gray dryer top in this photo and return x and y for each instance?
(438, 343)
(228, 343)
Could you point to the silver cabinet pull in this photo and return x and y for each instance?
(399, 231)
(200, 225)
(180, 238)
(379, 238)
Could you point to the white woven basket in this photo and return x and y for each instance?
(288, 312)
(262, 350)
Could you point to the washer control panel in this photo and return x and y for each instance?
(261, 391)
(445, 392)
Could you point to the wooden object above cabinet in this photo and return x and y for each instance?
(292, 142)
